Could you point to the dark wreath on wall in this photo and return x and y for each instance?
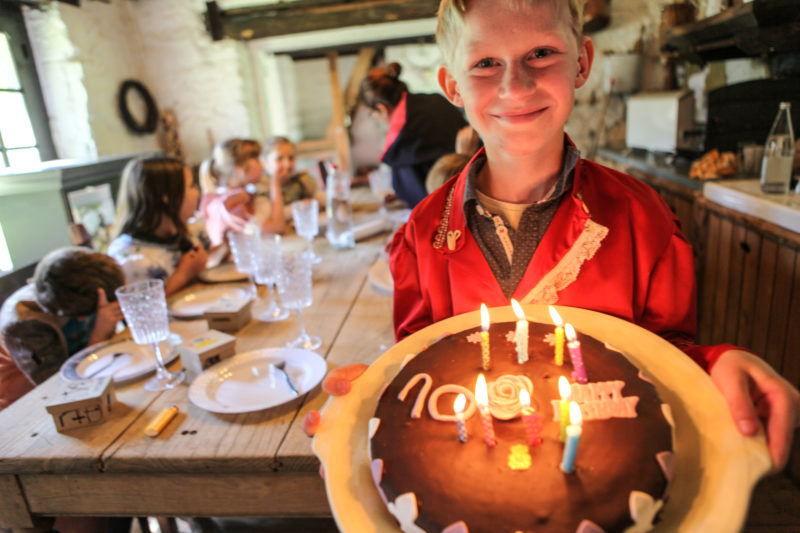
(150, 120)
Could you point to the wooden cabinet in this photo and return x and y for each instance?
(750, 286)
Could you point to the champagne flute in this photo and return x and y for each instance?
(294, 287)
(145, 309)
(305, 214)
(268, 260)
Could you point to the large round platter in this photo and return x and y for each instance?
(223, 273)
(134, 360)
(194, 302)
(716, 467)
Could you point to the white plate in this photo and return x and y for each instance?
(249, 382)
(716, 467)
(381, 277)
(193, 304)
(138, 360)
(222, 273)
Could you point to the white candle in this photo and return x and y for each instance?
(458, 407)
(521, 334)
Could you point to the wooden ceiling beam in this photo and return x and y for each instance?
(287, 18)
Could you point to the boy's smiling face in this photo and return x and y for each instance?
(515, 72)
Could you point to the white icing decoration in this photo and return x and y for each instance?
(550, 339)
(666, 460)
(612, 347)
(587, 526)
(404, 509)
(433, 402)
(600, 401)
(376, 466)
(373, 426)
(419, 404)
(643, 511)
(474, 337)
(383, 389)
(667, 410)
(511, 337)
(504, 395)
(456, 527)
(644, 377)
(407, 359)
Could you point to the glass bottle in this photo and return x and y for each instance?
(776, 166)
(338, 210)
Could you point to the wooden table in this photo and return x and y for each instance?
(202, 464)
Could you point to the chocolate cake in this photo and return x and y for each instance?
(433, 482)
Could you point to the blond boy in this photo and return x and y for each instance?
(529, 219)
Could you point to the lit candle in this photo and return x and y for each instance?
(482, 399)
(521, 335)
(573, 436)
(533, 426)
(579, 371)
(484, 338)
(559, 335)
(458, 407)
(563, 408)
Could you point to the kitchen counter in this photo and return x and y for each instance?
(742, 195)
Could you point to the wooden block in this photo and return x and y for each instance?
(209, 348)
(82, 403)
(229, 315)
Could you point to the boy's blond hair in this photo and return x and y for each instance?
(451, 19)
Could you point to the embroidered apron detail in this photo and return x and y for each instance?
(452, 239)
(567, 269)
(500, 230)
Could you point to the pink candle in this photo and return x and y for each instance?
(579, 372)
(482, 399)
(533, 426)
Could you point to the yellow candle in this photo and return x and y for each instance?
(482, 399)
(559, 335)
(563, 411)
(521, 334)
(485, 360)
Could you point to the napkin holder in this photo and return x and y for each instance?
(229, 315)
(82, 403)
(205, 350)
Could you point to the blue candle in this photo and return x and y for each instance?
(573, 437)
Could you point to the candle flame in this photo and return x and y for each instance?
(570, 331)
(484, 318)
(517, 309)
(481, 394)
(458, 405)
(575, 417)
(564, 388)
(524, 398)
(555, 316)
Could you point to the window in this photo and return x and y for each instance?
(24, 134)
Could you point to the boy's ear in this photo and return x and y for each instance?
(585, 59)
(449, 86)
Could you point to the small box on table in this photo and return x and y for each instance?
(206, 349)
(82, 403)
(228, 315)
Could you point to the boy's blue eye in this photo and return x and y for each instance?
(541, 53)
(485, 63)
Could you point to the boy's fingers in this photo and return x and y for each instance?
(734, 385)
(350, 372)
(311, 423)
(101, 297)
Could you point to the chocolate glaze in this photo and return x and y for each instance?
(473, 483)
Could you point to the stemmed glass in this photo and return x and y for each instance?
(294, 286)
(268, 260)
(305, 214)
(380, 183)
(242, 245)
(145, 309)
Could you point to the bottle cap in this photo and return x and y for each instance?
(785, 105)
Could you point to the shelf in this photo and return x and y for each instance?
(754, 29)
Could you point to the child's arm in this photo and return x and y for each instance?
(190, 265)
(108, 315)
(275, 222)
(411, 312)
